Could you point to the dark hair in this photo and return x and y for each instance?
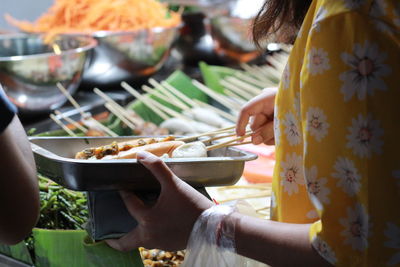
(283, 17)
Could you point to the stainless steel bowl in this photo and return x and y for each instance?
(233, 39)
(30, 69)
(128, 55)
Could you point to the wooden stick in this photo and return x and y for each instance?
(217, 97)
(239, 144)
(212, 133)
(166, 92)
(164, 97)
(179, 94)
(102, 127)
(245, 86)
(228, 134)
(220, 112)
(259, 195)
(68, 119)
(71, 99)
(167, 110)
(114, 111)
(117, 107)
(254, 72)
(250, 186)
(232, 87)
(250, 79)
(136, 94)
(65, 128)
(235, 97)
(224, 144)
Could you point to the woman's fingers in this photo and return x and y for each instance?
(157, 167)
(257, 121)
(134, 205)
(126, 243)
(264, 134)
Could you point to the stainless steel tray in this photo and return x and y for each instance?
(54, 158)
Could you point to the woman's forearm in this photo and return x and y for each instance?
(274, 243)
(19, 196)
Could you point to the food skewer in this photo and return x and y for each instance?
(114, 111)
(249, 79)
(235, 96)
(179, 94)
(228, 134)
(224, 144)
(212, 133)
(170, 94)
(117, 107)
(245, 86)
(220, 112)
(136, 94)
(236, 90)
(254, 72)
(164, 97)
(69, 120)
(85, 116)
(167, 110)
(65, 128)
(217, 97)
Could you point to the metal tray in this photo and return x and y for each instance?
(54, 158)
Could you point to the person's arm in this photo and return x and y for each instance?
(168, 223)
(19, 194)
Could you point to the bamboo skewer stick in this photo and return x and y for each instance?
(245, 86)
(71, 99)
(235, 97)
(118, 107)
(120, 116)
(224, 144)
(250, 79)
(167, 110)
(65, 128)
(232, 87)
(247, 186)
(101, 127)
(254, 72)
(220, 112)
(212, 133)
(219, 98)
(228, 134)
(179, 94)
(69, 120)
(259, 195)
(169, 94)
(239, 144)
(164, 97)
(136, 94)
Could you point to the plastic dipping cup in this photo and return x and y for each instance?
(260, 170)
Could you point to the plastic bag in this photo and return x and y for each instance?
(208, 248)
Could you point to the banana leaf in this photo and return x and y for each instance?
(180, 81)
(19, 252)
(68, 248)
(212, 75)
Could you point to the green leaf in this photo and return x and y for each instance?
(212, 75)
(19, 252)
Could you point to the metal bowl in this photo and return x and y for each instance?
(30, 69)
(233, 39)
(128, 55)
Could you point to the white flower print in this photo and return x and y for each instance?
(292, 129)
(318, 61)
(347, 173)
(357, 227)
(321, 14)
(317, 124)
(367, 68)
(365, 136)
(277, 125)
(324, 249)
(353, 4)
(286, 77)
(392, 233)
(316, 188)
(312, 214)
(292, 173)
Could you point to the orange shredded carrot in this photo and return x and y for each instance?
(88, 16)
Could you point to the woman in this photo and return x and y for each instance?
(337, 178)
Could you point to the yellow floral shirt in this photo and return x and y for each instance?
(337, 132)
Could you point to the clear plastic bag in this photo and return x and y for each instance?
(208, 248)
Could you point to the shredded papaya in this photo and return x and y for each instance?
(89, 16)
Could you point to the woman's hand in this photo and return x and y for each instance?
(168, 223)
(260, 112)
